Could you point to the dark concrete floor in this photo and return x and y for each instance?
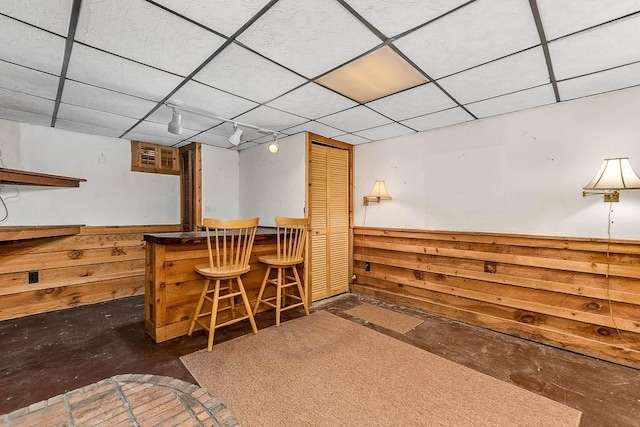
(49, 354)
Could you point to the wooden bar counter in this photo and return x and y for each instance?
(172, 287)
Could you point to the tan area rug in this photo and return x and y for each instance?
(323, 370)
(388, 319)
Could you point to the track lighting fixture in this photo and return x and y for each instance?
(273, 146)
(234, 138)
(175, 125)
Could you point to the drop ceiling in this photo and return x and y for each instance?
(108, 67)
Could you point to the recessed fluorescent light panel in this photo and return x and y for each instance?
(380, 73)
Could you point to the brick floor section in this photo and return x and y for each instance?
(132, 399)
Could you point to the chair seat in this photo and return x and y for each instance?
(219, 273)
(273, 260)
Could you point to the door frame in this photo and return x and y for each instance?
(195, 195)
(310, 138)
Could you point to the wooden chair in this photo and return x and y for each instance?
(228, 260)
(291, 242)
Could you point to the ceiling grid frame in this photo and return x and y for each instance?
(55, 27)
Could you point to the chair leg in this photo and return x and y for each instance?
(278, 296)
(232, 301)
(302, 293)
(199, 307)
(214, 315)
(262, 287)
(247, 306)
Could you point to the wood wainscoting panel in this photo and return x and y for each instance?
(575, 293)
(98, 264)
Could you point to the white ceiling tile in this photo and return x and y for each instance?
(211, 139)
(352, 139)
(560, 18)
(24, 117)
(510, 74)
(414, 102)
(197, 96)
(25, 45)
(384, 132)
(605, 81)
(87, 128)
(123, 26)
(269, 118)
(392, 18)
(160, 130)
(598, 49)
(304, 35)
(223, 16)
(164, 115)
(105, 100)
(439, 119)
(242, 72)
(522, 100)
(23, 102)
(94, 117)
(315, 127)
(26, 80)
(244, 146)
(161, 140)
(477, 33)
(135, 136)
(101, 69)
(355, 119)
(312, 101)
(52, 15)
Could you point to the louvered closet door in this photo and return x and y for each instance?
(329, 211)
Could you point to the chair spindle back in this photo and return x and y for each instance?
(292, 238)
(233, 239)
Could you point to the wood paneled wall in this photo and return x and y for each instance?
(579, 294)
(99, 264)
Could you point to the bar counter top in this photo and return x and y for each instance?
(194, 236)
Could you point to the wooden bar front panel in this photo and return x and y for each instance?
(173, 287)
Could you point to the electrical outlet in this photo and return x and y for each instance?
(34, 277)
(367, 266)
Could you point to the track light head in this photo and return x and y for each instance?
(175, 125)
(234, 138)
(273, 146)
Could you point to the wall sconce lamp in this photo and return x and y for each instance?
(614, 175)
(378, 192)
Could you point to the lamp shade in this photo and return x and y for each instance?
(614, 174)
(379, 191)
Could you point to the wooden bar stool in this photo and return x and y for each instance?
(233, 240)
(291, 242)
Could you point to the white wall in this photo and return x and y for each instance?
(273, 184)
(220, 184)
(517, 173)
(112, 195)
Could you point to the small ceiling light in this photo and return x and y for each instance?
(378, 192)
(273, 145)
(175, 125)
(234, 139)
(615, 174)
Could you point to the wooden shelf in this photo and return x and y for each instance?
(18, 177)
(37, 231)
